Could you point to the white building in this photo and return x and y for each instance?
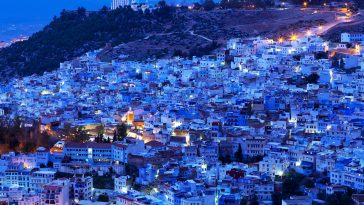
(120, 184)
(40, 178)
(349, 38)
(89, 152)
(274, 164)
(29, 199)
(119, 3)
(82, 187)
(350, 178)
(56, 193)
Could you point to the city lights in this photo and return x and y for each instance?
(293, 37)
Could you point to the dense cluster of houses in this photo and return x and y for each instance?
(216, 129)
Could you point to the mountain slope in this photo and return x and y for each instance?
(74, 33)
(159, 34)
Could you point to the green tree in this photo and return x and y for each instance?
(239, 154)
(277, 198)
(103, 198)
(339, 199)
(115, 137)
(312, 78)
(291, 183)
(342, 64)
(50, 164)
(100, 129)
(254, 201)
(29, 147)
(309, 183)
(78, 134)
(122, 131)
(208, 5)
(243, 201)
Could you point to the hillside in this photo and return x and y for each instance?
(74, 33)
(162, 33)
(355, 26)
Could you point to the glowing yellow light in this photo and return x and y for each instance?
(309, 33)
(294, 37)
(320, 27)
(280, 40)
(357, 48)
(305, 3)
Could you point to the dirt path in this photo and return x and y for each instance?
(192, 33)
(353, 21)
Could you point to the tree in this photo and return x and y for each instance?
(104, 10)
(122, 131)
(14, 142)
(115, 137)
(342, 64)
(239, 154)
(277, 198)
(197, 6)
(312, 78)
(338, 199)
(228, 159)
(243, 201)
(254, 201)
(100, 129)
(103, 198)
(208, 5)
(198, 151)
(66, 131)
(291, 183)
(78, 134)
(97, 139)
(81, 11)
(335, 63)
(50, 164)
(29, 147)
(100, 133)
(309, 183)
(163, 11)
(162, 4)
